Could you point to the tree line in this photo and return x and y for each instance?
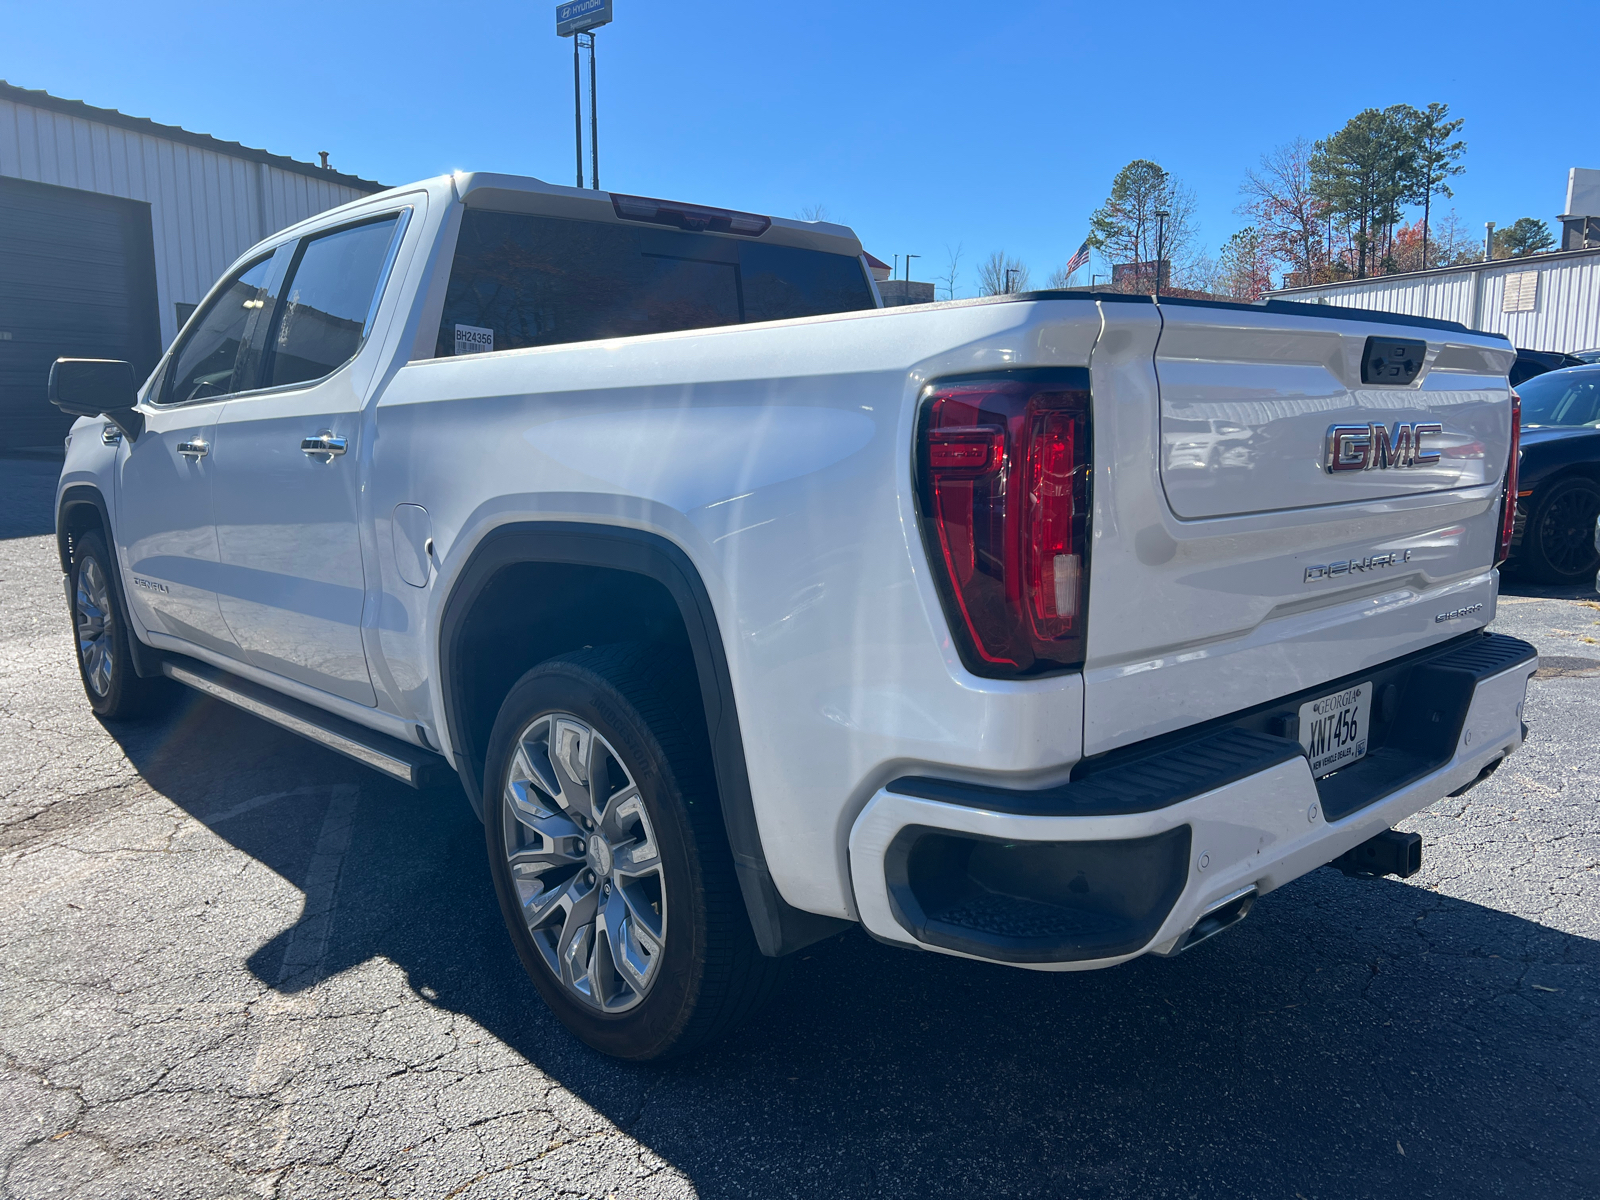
(1315, 211)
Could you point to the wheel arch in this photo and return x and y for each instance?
(568, 551)
(1587, 469)
(79, 509)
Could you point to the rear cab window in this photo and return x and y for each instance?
(521, 280)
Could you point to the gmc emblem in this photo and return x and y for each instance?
(1369, 447)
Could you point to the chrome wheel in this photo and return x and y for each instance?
(585, 863)
(92, 613)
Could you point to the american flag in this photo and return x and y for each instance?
(1079, 258)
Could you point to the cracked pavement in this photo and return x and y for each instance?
(233, 964)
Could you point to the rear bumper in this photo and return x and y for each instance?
(1126, 859)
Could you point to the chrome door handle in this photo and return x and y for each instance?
(197, 449)
(326, 444)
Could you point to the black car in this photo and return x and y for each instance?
(1536, 362)
(1558, 496)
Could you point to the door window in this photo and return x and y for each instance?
(205, 366)
(326, 303)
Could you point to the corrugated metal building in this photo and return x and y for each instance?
(112, 228)
(1541, 302)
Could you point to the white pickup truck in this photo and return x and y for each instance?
(1048, 629)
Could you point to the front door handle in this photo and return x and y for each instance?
(196, 449)
(326, 444)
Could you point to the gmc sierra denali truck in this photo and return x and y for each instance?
(1048, 629)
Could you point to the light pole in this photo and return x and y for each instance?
(574, 19)
(594, 120)
(1161, 233)
(1010, 272)
(577, 108)
(909, 257)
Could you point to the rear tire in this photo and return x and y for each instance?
(102, 636)
(1559, 537)
(618, 888)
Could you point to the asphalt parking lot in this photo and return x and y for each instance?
(234, 964)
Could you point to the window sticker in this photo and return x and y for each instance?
(471, 339)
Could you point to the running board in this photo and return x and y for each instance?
(409, 764)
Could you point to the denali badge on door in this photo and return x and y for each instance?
(1333, 728)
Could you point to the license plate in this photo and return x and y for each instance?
(1334, 728)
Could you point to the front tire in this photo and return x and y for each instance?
(102, 637)
(609, 859)
(1560, 534)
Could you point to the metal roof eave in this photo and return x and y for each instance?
(1525, 261)
(172, 133)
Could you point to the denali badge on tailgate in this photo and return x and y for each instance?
(1370, 563)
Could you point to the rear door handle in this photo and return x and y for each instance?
(326, 444)
(196, 449)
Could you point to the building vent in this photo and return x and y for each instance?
(1522, 291)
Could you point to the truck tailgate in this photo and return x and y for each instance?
(1248, 398)
(1229, 565)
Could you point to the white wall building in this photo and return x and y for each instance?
(1541, 302)
(113, 227)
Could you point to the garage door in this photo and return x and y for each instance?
(77, 279)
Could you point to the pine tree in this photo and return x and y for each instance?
(1524, 236)
(1437, 160)
(1363, 173)
(1126, 227)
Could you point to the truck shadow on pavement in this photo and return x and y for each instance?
(1349, 1038)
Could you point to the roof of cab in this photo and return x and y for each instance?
(523, 193)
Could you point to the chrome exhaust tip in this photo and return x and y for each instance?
(1230, 910)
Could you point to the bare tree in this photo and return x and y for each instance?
(999, 275)
(1281, 206)
(813, 212)
(1244, 268)
(1204, 275)
(1059, 278)
(1452, 242)
(952, 270)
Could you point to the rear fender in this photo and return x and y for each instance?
(779, 927)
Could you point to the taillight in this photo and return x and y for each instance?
(1508, 499)
(1003, 482)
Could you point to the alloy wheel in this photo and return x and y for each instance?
(585, 863)
(92, 615)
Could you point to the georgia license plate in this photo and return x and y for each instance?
(1333, 728)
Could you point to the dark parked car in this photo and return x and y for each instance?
(1536, 362)
(1558, 497)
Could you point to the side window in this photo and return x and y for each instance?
(521, 280)
(205, 364)
(326, 302)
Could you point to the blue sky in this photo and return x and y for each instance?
(923, 125)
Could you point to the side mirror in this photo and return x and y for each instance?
(93, 387)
